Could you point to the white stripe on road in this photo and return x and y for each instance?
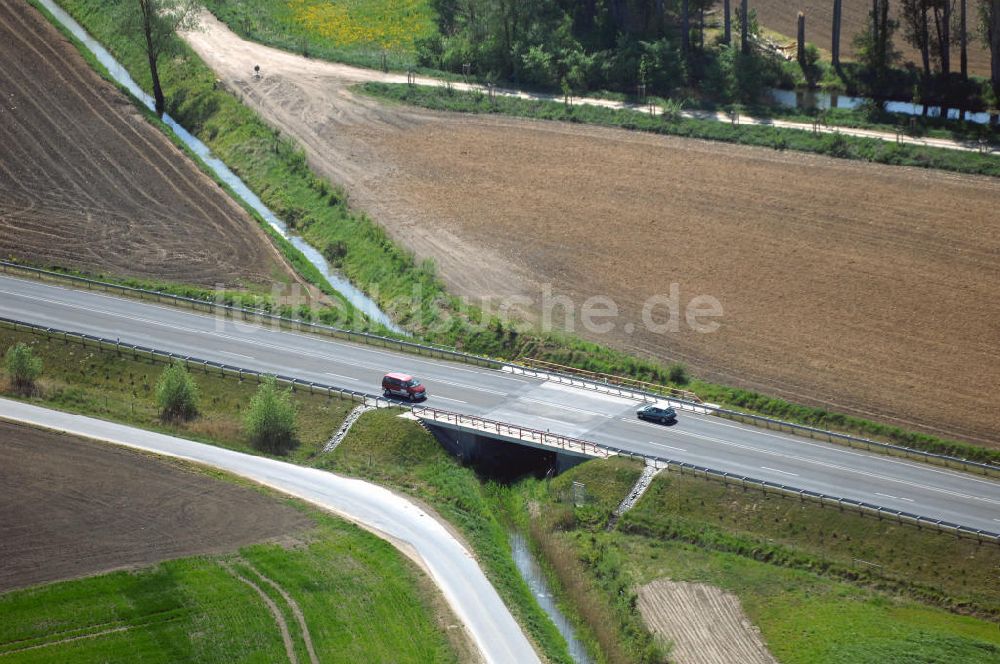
(227, 352)
(885, 495)
(670, 447)
(783, 472)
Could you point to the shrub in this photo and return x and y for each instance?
(177, 393)
(270, 418)
(678, 375)
(23, 368)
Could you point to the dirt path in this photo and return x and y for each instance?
(851, 286)
(706, 625)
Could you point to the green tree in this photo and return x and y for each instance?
(152, 24)
(177, 393)
(23, 367)
(270, 418)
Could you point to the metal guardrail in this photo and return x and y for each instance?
(611, 379)
(502, 428)
(526, 434)
(193, 363)
(254, 316)
(857, 506)
(442, 352)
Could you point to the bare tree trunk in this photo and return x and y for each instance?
(159, 103)
(875, 14)
(993, 27)
(727, 22)
(944, 38)
(802, 40)
(745, 26)
(686, 26)
(963, 40)
(835, 46)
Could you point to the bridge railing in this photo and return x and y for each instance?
(525, 434)
(442, 352)
(631, 384)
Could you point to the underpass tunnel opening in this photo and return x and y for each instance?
(502, 461)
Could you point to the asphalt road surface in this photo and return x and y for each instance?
(704, 440)
(389, 516)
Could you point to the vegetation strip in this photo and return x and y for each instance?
(831, 144)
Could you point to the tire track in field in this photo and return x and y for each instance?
(276, 613)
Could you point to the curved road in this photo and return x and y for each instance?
(704, 440)
(389, 516)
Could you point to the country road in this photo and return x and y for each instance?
(703, 440)
(391, 517)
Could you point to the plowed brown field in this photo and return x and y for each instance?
(782, 16)
(86, 182)
(862, 288)
(706, 625)
(73, 507)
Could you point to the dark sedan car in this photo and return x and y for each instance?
(663, 415)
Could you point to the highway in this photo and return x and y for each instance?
(391, 517)
(704, 440)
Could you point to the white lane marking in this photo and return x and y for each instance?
(335, 375)
(783, 472)
(885, 495)
(847, 451)
(670, 447)
(565, 407)
(437, 396)
(834, 466)
(470, 387)
(227, 352)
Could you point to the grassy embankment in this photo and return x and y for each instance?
(362, 601)
(822, 585)
(277, 172)
(380, 447)
(833, 145)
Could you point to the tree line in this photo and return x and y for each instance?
(580, 45)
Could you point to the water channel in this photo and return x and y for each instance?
(531, 571)
(810, 100)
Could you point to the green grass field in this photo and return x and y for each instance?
(353, 31)
(361, 599)
(120, 388)
(792, 565)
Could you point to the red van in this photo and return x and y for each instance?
(403, 385)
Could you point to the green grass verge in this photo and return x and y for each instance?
(795, 567)
(277, 172)
(400, 454)
(117, 387)
(833, 145)
(362, 601)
